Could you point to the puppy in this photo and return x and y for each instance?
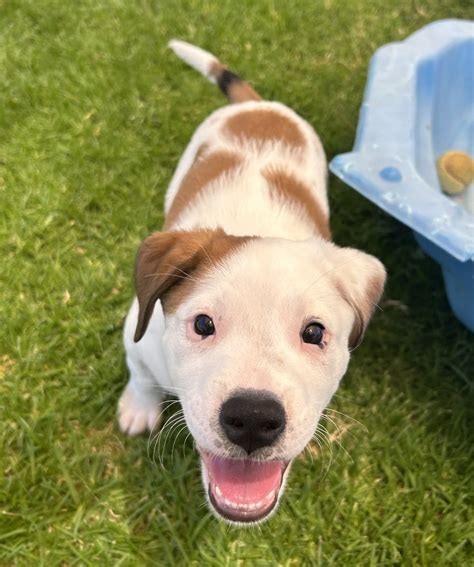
(245, 309)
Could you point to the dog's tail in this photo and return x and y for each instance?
(235, 89)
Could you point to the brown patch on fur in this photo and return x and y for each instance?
(205, 169)
(203, 149)
(216, 69)
(241, 91)
(286, 185)
(169, 265)
(235, 89)
(363, 307)
(264, 125)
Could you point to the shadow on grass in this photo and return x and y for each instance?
(414, 337)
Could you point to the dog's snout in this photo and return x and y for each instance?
(252, 420)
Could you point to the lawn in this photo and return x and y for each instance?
(95, 112)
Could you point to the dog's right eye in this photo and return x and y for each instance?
(313, 334)
(204, 326)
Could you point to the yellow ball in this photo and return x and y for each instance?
(455, 171)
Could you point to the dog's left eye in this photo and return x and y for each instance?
(204, 326)
(313, 334)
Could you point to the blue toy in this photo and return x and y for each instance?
(418, 105)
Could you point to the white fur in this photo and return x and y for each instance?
(194, 56)
(259, 297)
(246, 207)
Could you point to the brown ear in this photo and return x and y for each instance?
(167, 261)
(360, 281)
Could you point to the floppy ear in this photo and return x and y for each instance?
(167, 260)
(360, 279)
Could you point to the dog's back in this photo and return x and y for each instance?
(254, 167)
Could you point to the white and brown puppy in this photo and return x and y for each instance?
(244, 307)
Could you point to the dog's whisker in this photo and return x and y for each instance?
(176, 416)
(184, 443)
(168, 389)
(169, 274)
(177, 422)
(170, 402)
(321, 435)
(172, 427)
(307, 449)
(316, 439)
(174, 420)
(176, 437)
(336, 426)
(348, 417)
(172, 417)
(155, 445)
(335, 438)
(329, 442)
(185, 276)
(327, 465)
(206, 253)
(341, 427)
(345, 398)
(320, 450)
(156, 430)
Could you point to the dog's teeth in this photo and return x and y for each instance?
(251, 507)
(230, 504)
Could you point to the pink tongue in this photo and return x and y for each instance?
(245, 481)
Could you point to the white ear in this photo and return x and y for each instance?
(360, 279)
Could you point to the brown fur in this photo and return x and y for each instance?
(264, 125)
(238, 91)
(363, 308)
(241, 91)
(205, 169)
(203, 149)
(169, 264)
(287, 186)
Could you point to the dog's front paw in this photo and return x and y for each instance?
(137, 413)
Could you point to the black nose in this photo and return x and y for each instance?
(252, 420)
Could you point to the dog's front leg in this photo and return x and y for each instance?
(139, 407)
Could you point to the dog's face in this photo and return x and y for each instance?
(257, 338)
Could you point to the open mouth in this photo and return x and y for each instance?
(243, 490)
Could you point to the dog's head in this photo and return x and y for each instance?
(258, 335)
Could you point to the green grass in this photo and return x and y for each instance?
(95, 112)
